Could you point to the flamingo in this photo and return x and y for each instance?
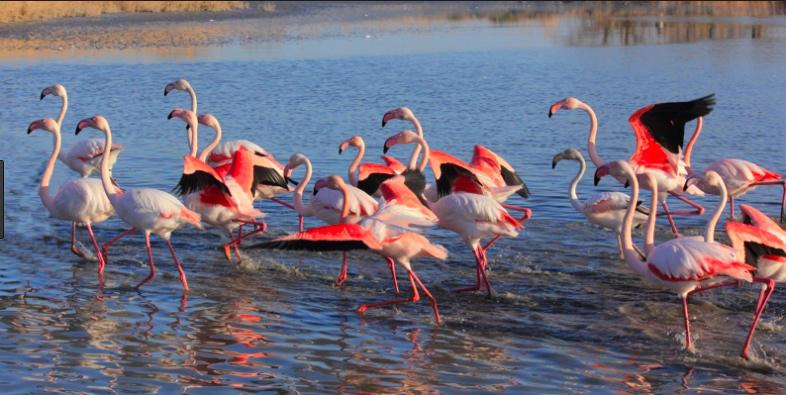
(80, 201)
(368, 176)
(685, 265)
(606, 209)
(225, 202)
(84, 156)
(327, 204)
(386, 232)
(145, 209)
(763, 243)
(659, 130)
(268, 171)
(740, 176)
(473, 214)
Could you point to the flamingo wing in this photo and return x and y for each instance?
(457, 178)
(693, 259)
(371, 175)
(341, 237)
(394, 164)
(498, 168)
(754, 242)
(197, 176)
(752, 216)
(660, 131)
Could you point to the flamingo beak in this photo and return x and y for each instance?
(171, 114)
(81, 125)
(554, 108)
(342, 147)
(387, 117)
(43, 95)
(167, 89)
(600, 173)
(553, 163)
(31, 127)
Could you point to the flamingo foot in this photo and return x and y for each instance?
(414, 298)
(392, 266)
(343, 275)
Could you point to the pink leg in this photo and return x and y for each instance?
(150, 258)
(479, 268)
(699, 208)
(702, 289)
(688, 341)
(258, 227)
(731, 207)
(392, 265)
(428, 295)
(98, 251)
(783, 199)
(105, 246)
(671, 220)
(527, 215)
(300, 223)
(179, 266)
(73, 241)
(762, 303)
(483, 273)
(760, 300)
(343, 275)
(414, 298)
(283, 203)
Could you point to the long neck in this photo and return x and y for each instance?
(213, 144)
(353, 177)
(631, 256)
(63, 109)
(345, 205)
(426, 152)
(709, 233)
(301, 187)
(692, 141)
(649, 238)
(574, 198)
(191, 142)
(46, 198)
(106, 175)
(413, 160)
(194, 139)
(593, 133)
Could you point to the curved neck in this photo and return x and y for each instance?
(301, 187)
(692, 141)
(194, 135)
(191, 133)
(353, 178)
(345, 203)
(213, 144)
(426, 153)
(63, 109)
(631, 256)
(709, 233)
(649, 238)
(574, 198)
(46, 198)
(592, 135)
(106, 178)
(413, 160)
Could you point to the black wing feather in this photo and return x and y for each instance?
(267, 176)
(371, 184)
(451, 172)
(755, 250)
(312, 245)
(196, 182)
(511, 178)
(666, 121)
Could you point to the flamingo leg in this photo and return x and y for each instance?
(527, 215)
(483, 274)
(619, 245)
(150, 258)
(688, 341)
(761, 298)
(258, 227)
(283, 203)
(98, 251)
(414, 298)
(783, 199)
(343, 274)
(761, 304)
(671, 220)
(699, 208)
(105, 246)
(179, 266)
(721, 285)
(428, 295)
(479, 267)
(300, 223)
(73, 242)
(392, 265)
(731, 207)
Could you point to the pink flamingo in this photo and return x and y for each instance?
(145, 209)
(763, 243)
(78, 201)
(84, 156)
(740, 176)
(368, 176)
(327, 204)
(224, 202)
(385, 232)
(685, 265)
(660, 132)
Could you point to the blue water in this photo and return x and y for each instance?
(569, 317)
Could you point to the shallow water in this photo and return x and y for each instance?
(569, 317)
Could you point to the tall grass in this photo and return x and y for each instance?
(22, 11)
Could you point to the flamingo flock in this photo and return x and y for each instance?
(389, 208)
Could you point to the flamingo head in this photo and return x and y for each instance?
(48, 124)
(208, 120)
(569, 103)
(354, 141)
(97, 122)
(570, 153)
(56, 90)
(187, 116)
(402, 137)
(181, 85)
(617, 169)
(401, 113)
(331, 182)
(294, 162)
(710, 179)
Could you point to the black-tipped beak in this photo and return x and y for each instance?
(550, 113)
(627, 183)
(597, 178)
(554, 164)
(166, 92)
(340, 150)
(42, 96)
(385, 149)
(685, 187)
(170, 115)
(293, 182)
(188, 127)
(78, 129)
(29, 129)
(384, 123)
